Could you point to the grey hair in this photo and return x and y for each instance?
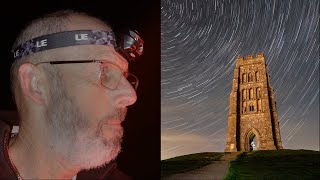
(50, 23)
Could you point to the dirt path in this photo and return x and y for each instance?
(215, 171)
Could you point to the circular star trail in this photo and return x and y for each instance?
(200, 41)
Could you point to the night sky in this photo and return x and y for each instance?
(200, 41)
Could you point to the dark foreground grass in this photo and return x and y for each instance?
(276, 164)
(188, 162)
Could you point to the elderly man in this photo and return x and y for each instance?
(71, 85)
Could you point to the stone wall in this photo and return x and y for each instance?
(252, 107)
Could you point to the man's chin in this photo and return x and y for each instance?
(100, 149)
(103, 157)
(111, 133)
(109, 157)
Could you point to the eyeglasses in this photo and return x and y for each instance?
(111, 73)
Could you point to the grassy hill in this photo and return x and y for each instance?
(273, 164)
(187, 162)
(276, 164)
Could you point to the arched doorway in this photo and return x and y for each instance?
(252, 140)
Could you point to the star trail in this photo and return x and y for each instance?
(200, 41)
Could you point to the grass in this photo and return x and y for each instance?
(276, 164)
(187, 162)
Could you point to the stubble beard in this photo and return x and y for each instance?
(82, 142)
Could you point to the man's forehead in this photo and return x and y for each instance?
(90, 52)
(98, 52)
(109, 54)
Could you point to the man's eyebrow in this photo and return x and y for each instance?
(124, 68)
(114, 59)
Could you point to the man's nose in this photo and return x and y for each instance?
(126, 95)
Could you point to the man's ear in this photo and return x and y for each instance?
(31, 81)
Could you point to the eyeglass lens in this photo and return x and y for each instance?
(111, 76)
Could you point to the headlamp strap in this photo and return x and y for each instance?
(64, 39)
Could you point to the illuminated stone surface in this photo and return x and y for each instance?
(252, 109)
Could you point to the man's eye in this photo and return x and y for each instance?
(111, 77)
(106, 76)
(109, 73)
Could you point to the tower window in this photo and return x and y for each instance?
(257, 76)
(258, 93)
(243, 78)
(244, 94)
(244, 107)
(259, 105)
(251, 108)
(250, 77)
(250, 93)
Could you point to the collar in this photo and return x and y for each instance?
(8, 168)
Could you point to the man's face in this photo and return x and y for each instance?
(84, 116)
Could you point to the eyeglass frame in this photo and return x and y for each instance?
(125, 73)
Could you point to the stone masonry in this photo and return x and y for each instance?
(252, 110)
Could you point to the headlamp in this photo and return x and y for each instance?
(129, 45)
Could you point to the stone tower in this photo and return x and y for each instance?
(252, 110)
